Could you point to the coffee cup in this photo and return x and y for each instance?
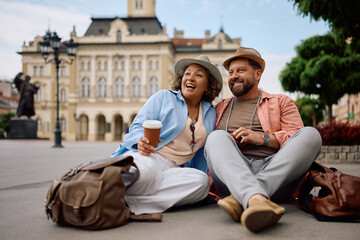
(152, 131)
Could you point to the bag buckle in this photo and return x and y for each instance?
(48, 211)
(71, 173)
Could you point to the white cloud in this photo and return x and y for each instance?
(204, 7)
(27, 20)
(23, 22)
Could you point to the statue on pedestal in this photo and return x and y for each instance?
(27, 91)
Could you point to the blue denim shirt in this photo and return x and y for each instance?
(170, 108)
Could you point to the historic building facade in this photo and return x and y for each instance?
(348, 109)
(119, 64)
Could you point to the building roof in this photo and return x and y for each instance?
(136, 25)
(189, 42)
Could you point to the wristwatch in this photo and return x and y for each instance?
(266, 138)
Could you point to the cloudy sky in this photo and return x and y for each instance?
(273, 27)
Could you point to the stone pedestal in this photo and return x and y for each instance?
(22, 128)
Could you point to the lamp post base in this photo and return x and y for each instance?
(57, 143)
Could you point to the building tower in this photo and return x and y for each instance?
(141, 8)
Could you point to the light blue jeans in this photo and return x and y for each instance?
(276, 177)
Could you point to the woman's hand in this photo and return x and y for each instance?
(144, 147)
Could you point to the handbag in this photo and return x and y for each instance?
(338, 197)
(91, 196)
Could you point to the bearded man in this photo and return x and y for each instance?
(261, 150)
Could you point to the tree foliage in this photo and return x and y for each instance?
(311, 110)
(5, 121)
(322, 67)
(342, 15)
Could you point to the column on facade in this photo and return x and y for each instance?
(109, 136)
(164, 69)
(127, 80)
(93, 76)
(110, 79)
(92, 128)
(144, 79)
(71, 120)
(110, 93)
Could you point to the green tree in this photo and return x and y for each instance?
(324, 68)
(311, 110)
(5, 121)
(343, 17)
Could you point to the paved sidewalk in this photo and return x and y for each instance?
(28, 167)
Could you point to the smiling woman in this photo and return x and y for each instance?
(174, 173)
(213, 76)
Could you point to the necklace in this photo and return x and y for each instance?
(192, 129)
(253, 115)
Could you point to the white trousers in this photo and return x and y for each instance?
(162, 184)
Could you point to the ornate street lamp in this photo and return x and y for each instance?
(51, 40)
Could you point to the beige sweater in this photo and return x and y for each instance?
(179, 149)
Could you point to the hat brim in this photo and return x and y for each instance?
(259, 60)
(185, 62)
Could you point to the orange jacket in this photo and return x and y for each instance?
(277, 113)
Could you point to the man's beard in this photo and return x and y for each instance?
(241, 91)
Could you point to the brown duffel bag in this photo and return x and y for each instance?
(330, 195)
(91, 196)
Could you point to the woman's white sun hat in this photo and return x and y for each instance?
(201, 60)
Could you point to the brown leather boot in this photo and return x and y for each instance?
(232, 207)
(261, 214)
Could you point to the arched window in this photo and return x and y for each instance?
(63, 124)
(38, 97)
(47, 124)
(136, 84)
(41, 71)
(63, 95)
(153, 86)
(150, 65)
(133, 65)
(220, 45)
(35, 71)
(62, 71)
(118, 36)
(102, 88)
(85, 88)
(119, 87)
(39, 124)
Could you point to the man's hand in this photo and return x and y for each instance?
(144, 147)
(247, 136)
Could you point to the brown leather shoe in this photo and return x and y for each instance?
(232, 207)
(261, 214)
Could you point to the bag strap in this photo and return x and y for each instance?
(122, 161)
(308, 184)
(304, 196)
(136, 177)
(148, 217)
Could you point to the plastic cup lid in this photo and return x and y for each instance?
(154, 124)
